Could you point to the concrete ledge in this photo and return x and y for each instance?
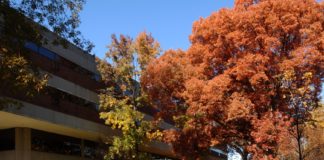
(71, 88)
(70, 53)
(36, 117)
(32, 116)
(158, 148)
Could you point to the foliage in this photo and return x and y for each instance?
(250, 78)
(61, 17)
(16, 77)
(312, 139)
(17, 73)
(318, 116)
(314, 147)
(302, 103)
(120, 102)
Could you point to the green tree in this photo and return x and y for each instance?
(120, 102)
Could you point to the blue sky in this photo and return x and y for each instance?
(169, 21)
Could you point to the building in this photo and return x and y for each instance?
(62, 122)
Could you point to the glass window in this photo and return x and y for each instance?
(96, 106)
(32, 46)
(54, 143)
(47, 53)
(41, 50)
(58, 95)
(7, 139)
(93, 150)
(96, 77)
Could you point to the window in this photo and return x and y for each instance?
(47, 53)
(93, 150)
(42, 51)
(32, 46)
(7, 139)
(59, 144)
(96, 77)
(54, 143)
(58, 95)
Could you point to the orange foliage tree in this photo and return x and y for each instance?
(240, 83)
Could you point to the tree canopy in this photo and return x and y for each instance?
(249, 72)
(60, 17)
(121, 100)
(17, 26)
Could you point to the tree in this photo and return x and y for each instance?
(238, 83)
(60, 17)
(121, 101)
(310, 145)
(302, 104)
(17, 74)
(314, 147)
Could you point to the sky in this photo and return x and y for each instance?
(169, 21)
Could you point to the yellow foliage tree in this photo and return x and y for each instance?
(314, 133)
(120, 102)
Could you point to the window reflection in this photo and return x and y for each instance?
(93, 150)
(42, 51)
(55, 57)
(54, 143)
(59, 144)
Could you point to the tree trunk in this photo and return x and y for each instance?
(299, 136)
(245, 156)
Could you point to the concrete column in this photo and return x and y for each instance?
(23, 143)
(82, 148)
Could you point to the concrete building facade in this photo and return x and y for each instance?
(63, 121)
